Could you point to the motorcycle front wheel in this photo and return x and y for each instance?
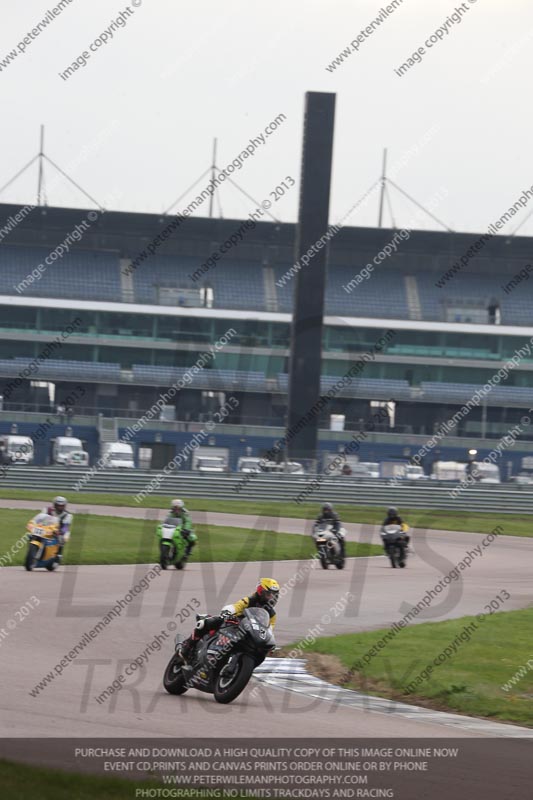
(227, 688)
(31, 557)
(396, 556)
(173, 680)
(164, 556)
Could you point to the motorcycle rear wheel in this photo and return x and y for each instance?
(228, 691)
(31, 557)
(173, 680)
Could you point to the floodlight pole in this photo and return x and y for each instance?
(213, 169)
(383, 179)
(41, 175)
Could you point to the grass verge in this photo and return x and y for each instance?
(475, 680)
(473, 522)
(38, 783)
(117, 540)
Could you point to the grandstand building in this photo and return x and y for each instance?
(115, 304)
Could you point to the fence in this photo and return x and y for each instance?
(408, 494)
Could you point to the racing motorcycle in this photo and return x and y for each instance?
(223, 660)
(43, 542)
(328, 545)
(395, 540)
(172, 545)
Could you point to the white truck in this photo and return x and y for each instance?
(117, 455)
(248, 464)
(448, 471)
(486, 473)
(372, 468)
(414, 473)
(16, 450)
(210, 464)
(68, 450)
(210, 459)
(260, 465)
(283, 468)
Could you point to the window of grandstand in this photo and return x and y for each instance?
(175, 296)
(390, 406)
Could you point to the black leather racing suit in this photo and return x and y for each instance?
(213, 623)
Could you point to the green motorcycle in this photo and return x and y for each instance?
(174, 548)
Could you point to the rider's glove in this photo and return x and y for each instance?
(226, 614)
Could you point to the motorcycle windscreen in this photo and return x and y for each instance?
(259, 620)
(258, 615)
(46, 521)
(167, 531)
(392, 529)
(323, 527)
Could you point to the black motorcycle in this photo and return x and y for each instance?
(223, 661)
(395, 541)
(328, 545)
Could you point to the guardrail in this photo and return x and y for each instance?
(499, 499)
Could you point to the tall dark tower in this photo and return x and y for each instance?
(307, 323)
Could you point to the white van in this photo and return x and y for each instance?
(248, 464)
(210, 464)
(448, 471)
(117, 455)
(16, 450)
(65, 448)
(487, 473)
(284, 468)
(414, 473)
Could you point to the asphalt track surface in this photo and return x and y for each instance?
(74, 599)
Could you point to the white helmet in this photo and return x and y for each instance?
(60, 503)
(177, 505)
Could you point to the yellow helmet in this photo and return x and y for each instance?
(268, 591)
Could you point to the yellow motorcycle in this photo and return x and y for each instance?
(43, 542)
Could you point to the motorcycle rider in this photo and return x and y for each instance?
(328, 515)
(393, 518)
(180, 513)
(64, 517)
(266, 596)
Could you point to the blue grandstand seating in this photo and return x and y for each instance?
(64, 278)
(235, 285)
(471, 287)
(382, 295)
(375, 388)
(454, 393)
(55, 369)
(212, 379)
(240, 285)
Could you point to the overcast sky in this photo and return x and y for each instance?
(135, 126)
